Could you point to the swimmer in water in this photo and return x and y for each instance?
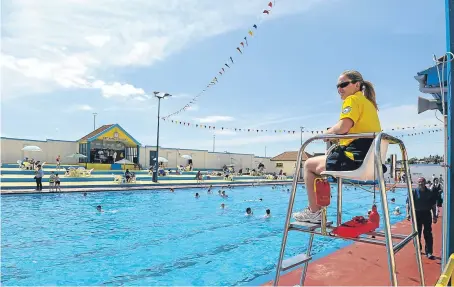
(219, 192)
(171, 190)
(197, 195)
(393, 200)
(85, 194)
(249, 211)
(98, 208)
(267, 213)
(396, 211)
(223, 194)
(222, 206)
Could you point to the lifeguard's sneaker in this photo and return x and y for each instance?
(307, 215)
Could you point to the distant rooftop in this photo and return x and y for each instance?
(95, 132)
(290, 156)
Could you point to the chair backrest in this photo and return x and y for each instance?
(367, 170)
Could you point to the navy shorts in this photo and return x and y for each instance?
(338, 161)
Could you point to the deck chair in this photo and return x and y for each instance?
(118, 178)
(86, 172)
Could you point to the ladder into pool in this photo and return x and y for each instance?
(371, 166)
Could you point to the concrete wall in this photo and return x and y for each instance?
(203, 159)
(287, 166)
(11, 150)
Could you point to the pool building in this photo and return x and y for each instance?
(110, 143)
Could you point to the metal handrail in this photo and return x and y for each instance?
(378, 137)
(447, 273)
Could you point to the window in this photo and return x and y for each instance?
(279, 164)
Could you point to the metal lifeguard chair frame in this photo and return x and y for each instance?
(376, 157)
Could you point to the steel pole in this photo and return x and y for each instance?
(155, 172)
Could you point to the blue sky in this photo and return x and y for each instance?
(67, 59)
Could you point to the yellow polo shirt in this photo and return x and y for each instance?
(363, 114)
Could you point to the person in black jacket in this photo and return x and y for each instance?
(424, 200)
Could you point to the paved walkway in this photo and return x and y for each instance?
(363, 264)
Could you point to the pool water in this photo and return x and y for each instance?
(156, 237)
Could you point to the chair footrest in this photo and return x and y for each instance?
(295, 261)
(297, 225)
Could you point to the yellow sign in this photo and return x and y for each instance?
(117, 134)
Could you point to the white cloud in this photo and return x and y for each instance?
(193, 108)
(182, 96)
(70, 44)
(120, 90)
(215, 119)
(84, 108)
(98, 40)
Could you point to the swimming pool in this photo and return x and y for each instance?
(155, 237)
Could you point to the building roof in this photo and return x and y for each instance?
(95, 132)
(290, 156)
(112, 132)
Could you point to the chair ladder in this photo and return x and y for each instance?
(321, 229)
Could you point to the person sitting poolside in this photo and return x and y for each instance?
(127, 175)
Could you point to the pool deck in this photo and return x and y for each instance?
(361, 264)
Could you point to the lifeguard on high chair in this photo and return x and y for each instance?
(359, 155)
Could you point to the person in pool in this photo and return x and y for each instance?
(359, 114)
(249, 211)
(99, 208)
(197, 195)
(267, 213)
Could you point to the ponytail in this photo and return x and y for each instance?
(365, 86)
(369, 92)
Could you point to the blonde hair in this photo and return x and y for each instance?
(365, 86)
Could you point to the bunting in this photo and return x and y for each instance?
(240, 50)
(405, 129)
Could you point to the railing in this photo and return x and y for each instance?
(446, 275)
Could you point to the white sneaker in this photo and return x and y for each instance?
(307, 215)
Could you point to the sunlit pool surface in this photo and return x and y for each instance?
(156, 237)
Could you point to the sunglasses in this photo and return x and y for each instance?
(344, 84)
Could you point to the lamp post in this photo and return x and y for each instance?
(94, 121)
(301, 135)
(155, 171)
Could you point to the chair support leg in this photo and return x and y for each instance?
(308, 253)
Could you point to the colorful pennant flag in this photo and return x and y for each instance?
(314, 131)
(243, 44)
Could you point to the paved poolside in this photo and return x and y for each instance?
(361, 264)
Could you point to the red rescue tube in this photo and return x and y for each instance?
(359, 225)
(322, 192)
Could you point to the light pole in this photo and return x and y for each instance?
(301, 135)
(155, 171)
(94, 121)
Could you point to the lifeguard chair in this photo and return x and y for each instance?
(370, 170)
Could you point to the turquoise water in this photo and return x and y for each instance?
(154, 237)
